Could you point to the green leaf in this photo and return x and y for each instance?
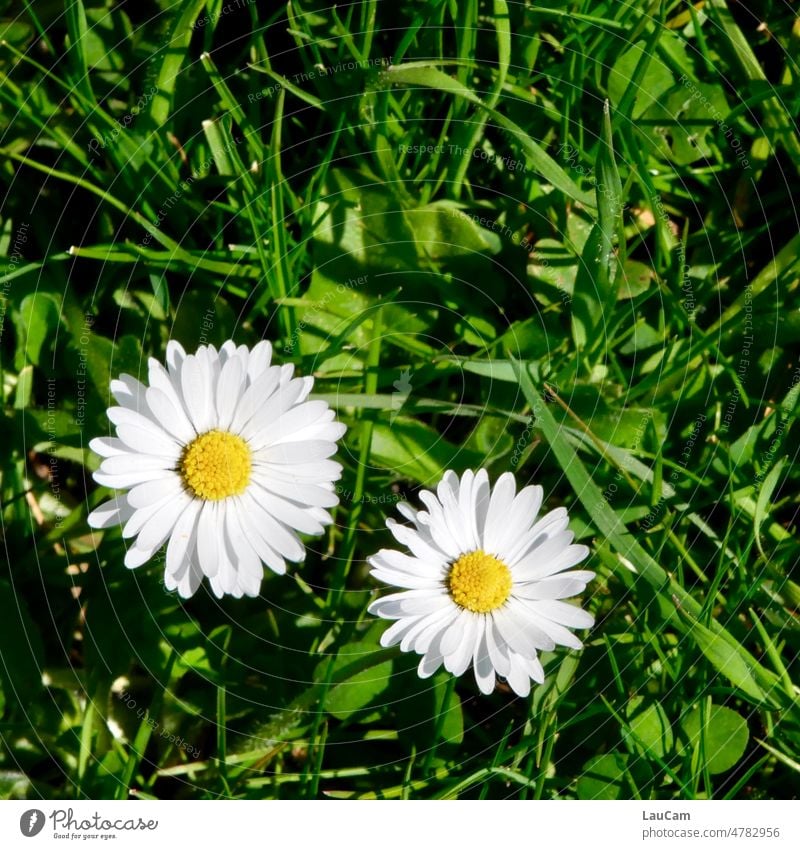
(414, 450)
(729, 662)
(604, 777)
(175, 52)
(37, 323)
(452, 727)
(681, 122)
(764, 498)
(15, 32)
(649, 726)
(657, 78)
(721, 740)
(361, 689)
(635, 280)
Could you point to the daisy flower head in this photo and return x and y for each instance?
(484, 581)
(222, 457)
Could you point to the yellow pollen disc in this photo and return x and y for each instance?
(216, 465)
(479, 582)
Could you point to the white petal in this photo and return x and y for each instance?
(175, 357)
(208, 532)
(196, 393)
(426, 627)
(229, 390)
(170, 415)
(292, 453)
(389, 560)
(116, 511)
(281, 538)
(403, 579)
(519, 519)
(483, 666)
(181, 542)
(429, 664)
(108, 446)
(563, 613)
(419, 547)
(132, 478)
(248, 564)
(272, 408)
(298, 491)
(254, 397)
(409, 603)
(136, 556)
(159, 527)
(262, 547)
(436, 624)
(497, 648)
(499, 508)
(458, 661)
(259, 360)
(149, 441)
(129, 392)
(127, 464)
(481, 496)
(146, 494)
(454, 635)
(520, 630)
(518, 678)
(287, 512)
(554, 556)
(566, 585)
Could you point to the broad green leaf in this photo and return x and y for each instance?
(414, 450)
(105, 38)
(452, 728)
(649, 727)
(657, 78)
(17, 33)
(603, 777)
(37, 323)
(680, 123)
(730, 662)
(635, 279)
(361, 689)
(723, 738)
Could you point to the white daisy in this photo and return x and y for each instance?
(222, 457)
(483, 581)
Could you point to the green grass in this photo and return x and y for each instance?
(568, 232)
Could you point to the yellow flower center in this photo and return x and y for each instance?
(216, 465)
(479, 582)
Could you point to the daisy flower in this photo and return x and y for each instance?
(483, 582)
(222, 457)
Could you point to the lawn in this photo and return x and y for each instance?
(558, 240)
